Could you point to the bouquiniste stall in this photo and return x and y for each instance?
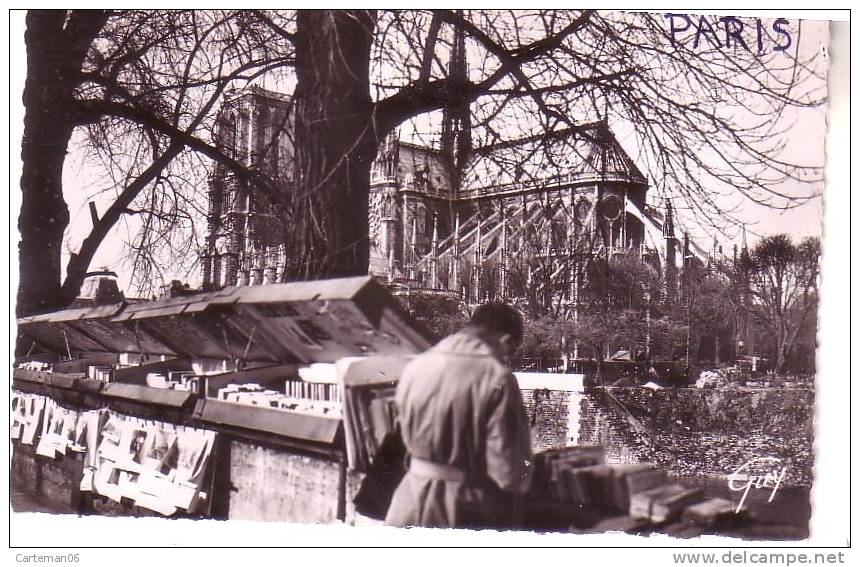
(272, 403)
(223, 404)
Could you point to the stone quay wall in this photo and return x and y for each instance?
(685, 431)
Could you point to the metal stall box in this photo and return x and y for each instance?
(254, 365)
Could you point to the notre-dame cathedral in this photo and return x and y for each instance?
(521, 214)
(526, 213)
(476, 223)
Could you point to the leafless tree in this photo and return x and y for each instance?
(135, 91)
(537, 72)
(783, 279)
(708, 117)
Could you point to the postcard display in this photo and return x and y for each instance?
(158, 466)
(263, 361)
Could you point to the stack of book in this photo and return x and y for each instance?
(182, 381)
(256, 395)
(127, 359)
(36, 366)
(590, 485)
(579, 474)
(313, 407)
(552, 466)
(230, 392)
(631, 479)
(664, 503)
(313, 390)
(371, 414)
(100, 373)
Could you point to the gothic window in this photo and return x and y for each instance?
(611, 207)
(243, 135)
(420, 176)
(261, 133)
(389, 205)
(276, 155)
(559, 233)
(227, 133)
(227, 200)
(583, 208)
(428, 222)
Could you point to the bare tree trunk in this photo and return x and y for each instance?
(79, 263)
(781, 346)
(335, 145)
(56, 45)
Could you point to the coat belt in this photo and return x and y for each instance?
(436, 471)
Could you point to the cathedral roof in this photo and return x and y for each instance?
(579, 154)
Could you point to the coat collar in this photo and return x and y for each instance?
(464, 343)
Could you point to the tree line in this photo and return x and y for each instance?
(761, 302)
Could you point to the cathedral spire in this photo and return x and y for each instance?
(456, 138)
(479, 261)
(413, 249)
(687, 256)
(670, 274)
(455, 259)
(669, 223)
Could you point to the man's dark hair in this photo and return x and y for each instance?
(499, 318)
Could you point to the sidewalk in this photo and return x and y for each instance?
(23, 501)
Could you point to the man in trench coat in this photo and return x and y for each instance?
(465, 428)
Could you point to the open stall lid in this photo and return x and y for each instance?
(323, 321)
(304, 322)
(62, 331)
(98, 323)
(176, 322)
(368, 409)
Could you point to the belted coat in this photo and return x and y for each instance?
(462, 418)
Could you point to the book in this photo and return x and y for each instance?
(156, 380)
(710, 512)
(572, 488)
(106, 479)
(673, 506)
(87, 480)
(550, 467)
(133, 359)
(18, 415)
(560, 475)
(111, 434)
(663, 503)
(155, 493)
(52, 426)
(591, 485)
(630, 479)
(100, 373)
(159, 450)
